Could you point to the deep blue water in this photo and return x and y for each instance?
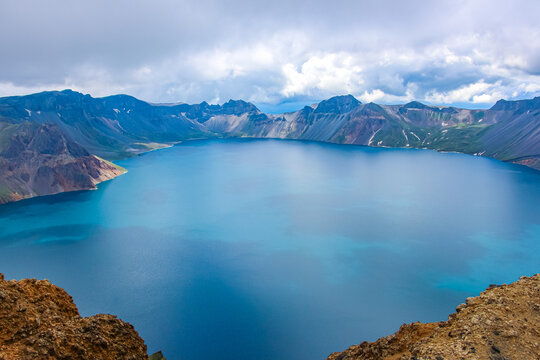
(279, 250)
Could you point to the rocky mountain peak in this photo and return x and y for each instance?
(238, 107)
(338, 104)
(414, 105)
(518, 105)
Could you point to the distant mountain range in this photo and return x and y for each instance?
(57, 141)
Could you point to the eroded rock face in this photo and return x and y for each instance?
(39, 320)
(502, 323)
(40, 160)
(46, 139)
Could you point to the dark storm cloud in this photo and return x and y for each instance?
(273, 52)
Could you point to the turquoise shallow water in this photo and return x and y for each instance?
(279, 250)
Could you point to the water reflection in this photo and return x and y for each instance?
(279, 250)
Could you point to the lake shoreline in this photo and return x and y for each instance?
(173, 144)
(278, 240)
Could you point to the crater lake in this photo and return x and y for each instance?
(279, 250)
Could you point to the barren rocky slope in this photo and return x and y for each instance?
(509, 131)
(502, 323)
(39, 320)
(41, 160)
(46, 139)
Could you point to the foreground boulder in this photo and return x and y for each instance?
(502, 323)
(39, 320)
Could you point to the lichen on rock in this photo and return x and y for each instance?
(502, 323)
(39, 320)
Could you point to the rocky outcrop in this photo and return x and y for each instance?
(41, 160)
(502, 323)
(39, 320)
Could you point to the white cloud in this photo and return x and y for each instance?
(329, 73)
(210, 50)
(468, 93)
(482, 92)
(10, 89)
(378, 95)
(372, 96)
(222, 63)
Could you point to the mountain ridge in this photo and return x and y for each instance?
(119, 126)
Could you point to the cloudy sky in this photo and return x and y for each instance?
(279, 54)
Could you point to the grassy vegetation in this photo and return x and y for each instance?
(460, 138)
(112, 164)
(6, 131)
(5, 193)
(152, 146)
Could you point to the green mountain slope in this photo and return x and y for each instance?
(48, 140)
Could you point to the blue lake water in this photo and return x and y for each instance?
(279, 250)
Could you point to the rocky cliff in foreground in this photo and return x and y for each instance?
(39, 320)
(502, 323)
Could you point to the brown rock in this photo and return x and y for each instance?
(503, 322)
(40, 160)
(39, 320)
